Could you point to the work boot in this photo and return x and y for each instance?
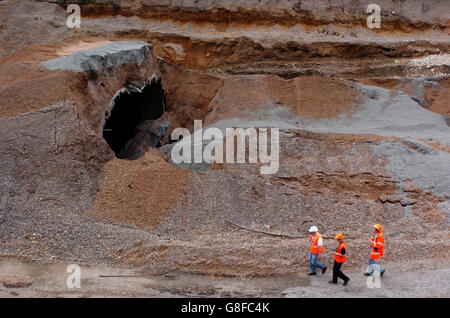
(346, 282)
(324, 270)
(312, 274)
(332, 282)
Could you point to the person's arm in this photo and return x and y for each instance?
(319, 245)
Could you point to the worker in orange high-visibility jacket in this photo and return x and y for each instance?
(316, 248)
(340, 256)
(376, 251)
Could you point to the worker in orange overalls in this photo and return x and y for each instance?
(376, 251)
(316, 248)
(340, 256)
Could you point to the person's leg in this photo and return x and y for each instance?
(370, 267)
(336, 269)
(312, 262)
(340, 274)
(374, 266)
(320, 265)
(381, 269)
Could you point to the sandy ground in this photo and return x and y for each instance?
(416, 279)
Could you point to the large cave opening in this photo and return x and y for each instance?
(132, 122)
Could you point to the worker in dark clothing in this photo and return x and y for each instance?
(339, 258)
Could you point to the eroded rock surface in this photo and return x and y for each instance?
(363, 119)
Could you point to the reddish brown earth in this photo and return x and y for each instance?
(313, 96)
(140, 192)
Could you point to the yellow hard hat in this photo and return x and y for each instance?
(339, 236)
(378, 227)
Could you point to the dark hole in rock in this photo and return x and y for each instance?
(132, 123)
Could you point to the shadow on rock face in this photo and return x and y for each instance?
(131, 125)
(148, 134)
(447, 119)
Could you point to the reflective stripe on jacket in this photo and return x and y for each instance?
(314, 244)
(338, 257)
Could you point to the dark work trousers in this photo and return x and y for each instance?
(337, 272)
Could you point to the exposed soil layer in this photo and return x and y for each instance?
(208, 45)
(357, 69)
(225, 52)
(312, 97)
(396, 16)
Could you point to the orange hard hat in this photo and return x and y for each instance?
(339, 236)
(377, 227)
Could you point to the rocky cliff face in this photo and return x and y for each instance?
(362, 114)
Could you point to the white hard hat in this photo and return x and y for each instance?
(313, 229)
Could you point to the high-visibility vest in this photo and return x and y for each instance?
(313, 243)
(338, 257)
(377, 241)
